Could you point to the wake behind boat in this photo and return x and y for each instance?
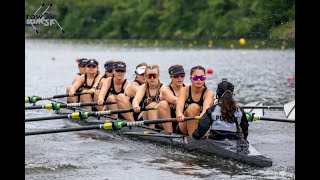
(238, 150)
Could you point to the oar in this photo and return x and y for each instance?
(262, 107)
(85, 114)
(34, 99)
(253, 117)
(115, 125)
(57, 105)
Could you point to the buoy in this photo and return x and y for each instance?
(210, 71)
(242, 41)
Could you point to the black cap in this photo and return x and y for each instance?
(118, 66)
(92, 62)
(109, 66)
(176, 69)
(224, 86)
(82, 61)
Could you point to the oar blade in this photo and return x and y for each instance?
(259, 112)
(289, 109)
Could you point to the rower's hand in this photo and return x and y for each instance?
(100, 102)
(136, 109)
(180, 117)
(91, 91)
(71, 93)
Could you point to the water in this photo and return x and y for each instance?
(258, 75)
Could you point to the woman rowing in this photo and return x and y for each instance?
(148, 94)
(169, 96)
(82, 69)
(125, 100)
(112, 87)
(224, 119)
(87, 82)
(193, 100)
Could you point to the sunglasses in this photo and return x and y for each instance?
(178, 75)
(122, 71)
(197, 77)
(91, 66)
(109, 71)
(141, 74)
(82, 66)
(154, 76)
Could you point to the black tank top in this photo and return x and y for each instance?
(137, 82)
(113, 91)
(173, 106)
(190, 100)
(85, 84)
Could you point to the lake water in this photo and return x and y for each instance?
(258, 75)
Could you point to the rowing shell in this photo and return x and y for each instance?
(238, 150)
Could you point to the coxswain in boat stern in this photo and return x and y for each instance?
(149, 94)
(87, 82)
(112, 87)
(169, 97)
(224, 119)
(82, 69)
(193, 100)
(109, 67)
(125, 100)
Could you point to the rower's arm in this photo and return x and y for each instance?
(168, 96)
(105, 86)
(208, 101)
(182, 97)
(95, 85)
(77, 83)
(132, 90)
(139, 95)
(127, 86)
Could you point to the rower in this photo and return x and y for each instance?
(87, 82)
(169, 96)
(112, 87)
(125, 100)
(193, 100)
(224, 119)
(148, 94)
(108, 66)
(82, 69)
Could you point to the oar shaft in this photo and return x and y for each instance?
(262, 107)
(64, 130)
(47, 118)
(60, 105)
(98, 113)
(276, 119)
(147, 122)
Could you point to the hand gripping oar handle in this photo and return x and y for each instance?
(34, 99)
(57, 105)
